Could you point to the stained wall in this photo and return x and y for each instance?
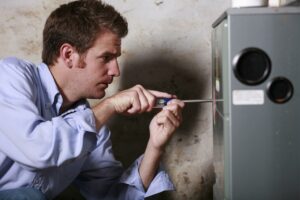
(168, 48)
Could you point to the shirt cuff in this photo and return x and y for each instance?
(161, 182)
(85, 120)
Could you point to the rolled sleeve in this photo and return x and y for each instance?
(103, 177)
(160, 183)
(82, 120)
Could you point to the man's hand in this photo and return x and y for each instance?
(164, 124)
(132, 101)
(136, 100)
(162, 128)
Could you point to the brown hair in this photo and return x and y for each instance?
(79, 23)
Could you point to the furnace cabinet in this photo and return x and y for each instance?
(256, 125)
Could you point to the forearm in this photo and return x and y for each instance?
(102, 112)
(149, 164)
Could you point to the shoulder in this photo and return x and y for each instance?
(17, 76)
(13, 64)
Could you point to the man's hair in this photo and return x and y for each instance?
(79, 23)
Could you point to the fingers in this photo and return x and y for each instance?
(141, 98)
(176, 102)
(175, 106)
(161, 94)
(138, 100)
(172, 112)
(167, 118)
(147, 98)
(164, 124)
(135, 104)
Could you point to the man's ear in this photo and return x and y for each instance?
(68, 54)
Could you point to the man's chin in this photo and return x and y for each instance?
(97, 96)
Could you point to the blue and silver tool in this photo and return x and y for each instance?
(161, 102)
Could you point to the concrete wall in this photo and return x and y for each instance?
(168, 48)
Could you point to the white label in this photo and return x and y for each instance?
(217, 85)
(248, 97)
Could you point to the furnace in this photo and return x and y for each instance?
(256, 128)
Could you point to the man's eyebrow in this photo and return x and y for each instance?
(110, 54)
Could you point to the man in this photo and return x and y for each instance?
(50, 138)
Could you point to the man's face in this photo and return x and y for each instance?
(99, 66)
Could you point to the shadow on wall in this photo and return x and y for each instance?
(156, 72)
(170, 73)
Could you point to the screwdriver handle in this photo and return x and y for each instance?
(161, 102)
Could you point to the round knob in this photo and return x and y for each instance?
(252, 66)
(280, 90)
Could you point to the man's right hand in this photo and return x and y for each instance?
(131, 101)
(136, 100)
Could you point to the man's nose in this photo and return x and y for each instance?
(114, 69)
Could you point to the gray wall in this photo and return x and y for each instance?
(168, 48)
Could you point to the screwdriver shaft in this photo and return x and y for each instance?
(163, 101)
(200, 100)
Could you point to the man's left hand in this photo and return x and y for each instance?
(165, 123)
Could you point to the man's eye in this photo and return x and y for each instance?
(106, 58)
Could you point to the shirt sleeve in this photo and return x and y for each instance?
(25, 136)
(103, 177)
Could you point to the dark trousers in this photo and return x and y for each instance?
(22, 194)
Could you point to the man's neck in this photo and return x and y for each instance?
(62, 81)
(66, 105)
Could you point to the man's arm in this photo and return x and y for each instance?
(139, 100)
(27, 137)
(162, 128)
(103, 177)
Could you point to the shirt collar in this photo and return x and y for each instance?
(48, 83)
(53, 95)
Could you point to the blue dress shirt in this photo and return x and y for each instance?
(46, 150)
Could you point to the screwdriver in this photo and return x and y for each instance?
(161, 102)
